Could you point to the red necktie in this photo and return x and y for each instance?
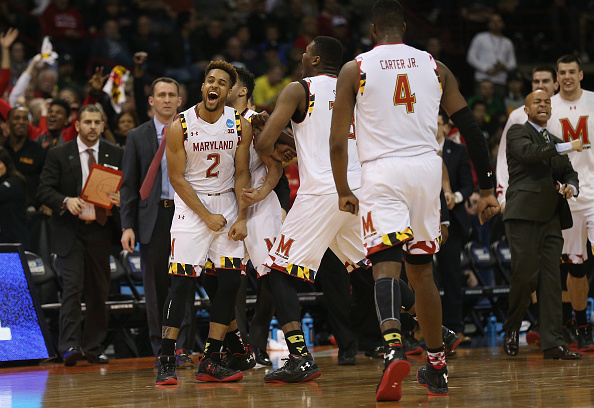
(100, 212)
(151, 174)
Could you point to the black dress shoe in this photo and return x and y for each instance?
(262, 357)
(347, 356)
(100, 359)
(511, 343)
(71, 356)
(560, 352)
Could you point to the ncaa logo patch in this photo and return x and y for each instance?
(229, 123)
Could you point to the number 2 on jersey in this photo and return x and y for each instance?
(217, 160)
(402, 94)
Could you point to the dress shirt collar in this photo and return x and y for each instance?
(159, 127)
(535, 126)
(83, 147)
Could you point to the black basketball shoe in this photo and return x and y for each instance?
(240, 361)
(436, 381)
(213, 370)
(296, 369)
(166, 374)
(396, 369)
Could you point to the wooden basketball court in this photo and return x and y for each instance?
(478, 377)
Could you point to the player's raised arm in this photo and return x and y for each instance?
(291, 98)
(342, 114)
(238, 230)
(455, 105)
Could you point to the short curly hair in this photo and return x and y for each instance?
(225, 66)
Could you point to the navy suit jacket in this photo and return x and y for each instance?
(141, 215)
(62, 177)
(456, 161)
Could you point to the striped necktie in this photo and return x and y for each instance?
(545, 134)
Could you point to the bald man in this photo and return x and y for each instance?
(541, 179)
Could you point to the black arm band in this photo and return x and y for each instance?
(476, 145)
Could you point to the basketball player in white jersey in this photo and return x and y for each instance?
(313, 224)
(208, 160)
(572, 117)
(543, 79)
(264, 220)
(397, 91)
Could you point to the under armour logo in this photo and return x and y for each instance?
(305, 366)
(572, 107)
(489, 174)
(395, 385)
(445, 378)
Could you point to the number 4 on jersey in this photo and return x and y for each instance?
(402, 94)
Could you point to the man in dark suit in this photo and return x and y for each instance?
(448, 258)
(81, 235)
(541, 178)
(149, 214)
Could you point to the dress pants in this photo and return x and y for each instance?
(536, 252)
(85, 269)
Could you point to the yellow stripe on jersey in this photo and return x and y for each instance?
(395, 238)
(181, 269)
(230, 263)
(362, 82)
(299, 271)
(238, 124)
(312, 101)
(182, 120)
(438, 79)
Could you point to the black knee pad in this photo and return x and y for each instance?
(181, 290)
(407, 296)
(418, 259)
(391, 254)
(387, 299)
(286, 301)
(576, 270)
(210, 283)
(222, 309)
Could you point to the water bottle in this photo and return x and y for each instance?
(590, 310)
(492, 331)
(308, 331)
(272, 333)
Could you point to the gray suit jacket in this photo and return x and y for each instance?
(141, 215)
(535, 167)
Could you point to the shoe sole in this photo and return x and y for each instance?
(312, 377)
(418, 350)
(390, 386)
(533, 339)
(208, 378)
(71, 360)
(169, 381)
(431, 393)
(589, 348)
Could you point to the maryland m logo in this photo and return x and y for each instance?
(284, 247)
(368, 228)
(580, 131)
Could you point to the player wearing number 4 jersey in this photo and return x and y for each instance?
(572, 117)
(396, 91)
(208, 159)
(314, 223)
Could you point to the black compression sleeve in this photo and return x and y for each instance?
(476, 145)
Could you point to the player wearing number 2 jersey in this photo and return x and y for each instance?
(208, 158)
(572, 117)
(395, 91)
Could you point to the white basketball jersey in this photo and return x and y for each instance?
(516, 116)
(258, 169)
(397, 102)
(312, 140)
(210, 150)
(570, 120)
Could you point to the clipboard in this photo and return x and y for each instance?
(101, 180)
